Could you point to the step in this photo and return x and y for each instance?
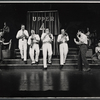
(40, 66)
(72, 49)
(35, 66)
(54, 61)
(68, 59)
(41, 55)
(69, 53)
(68, 65)
(68, 56)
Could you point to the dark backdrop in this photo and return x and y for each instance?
(72, 16)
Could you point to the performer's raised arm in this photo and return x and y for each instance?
(82, 50)
(47, 39)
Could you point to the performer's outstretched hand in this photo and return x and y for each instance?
(75, 40)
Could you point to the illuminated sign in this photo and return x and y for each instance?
(43, 18)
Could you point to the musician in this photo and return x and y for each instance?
(1, 42)
(33, 41)
(83, 47)
(62, 39)
(47, 39)
(88, 34)
(23, 35)
(6, 31)
(6, 28)
(96, 56)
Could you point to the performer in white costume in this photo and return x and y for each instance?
(47, 39)
(63, 46)
(23, 35)
(33, 41)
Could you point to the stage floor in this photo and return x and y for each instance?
(50, 83)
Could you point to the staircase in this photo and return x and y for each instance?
(71, 61)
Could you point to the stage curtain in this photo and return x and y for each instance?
(46, 19)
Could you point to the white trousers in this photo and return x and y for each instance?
(47, 47)
(63, 52)
(34, 53)
(23, 49)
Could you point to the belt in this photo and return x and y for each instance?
(23, 39)
(35, 43)
(83, 44)
(62, 42)
(46, 42)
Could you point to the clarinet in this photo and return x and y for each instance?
(32, 38)
(63, 36)
(66, 34)
(50, 35)
(23, 35)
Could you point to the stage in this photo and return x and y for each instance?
(31, 82)
(18, 79)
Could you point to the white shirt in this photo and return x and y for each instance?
(83, 38)
(20, 33)
(47, 38)
(35, 40)
(62, 38)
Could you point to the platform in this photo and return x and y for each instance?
(71, 61)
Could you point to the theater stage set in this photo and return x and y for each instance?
(25, 80)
